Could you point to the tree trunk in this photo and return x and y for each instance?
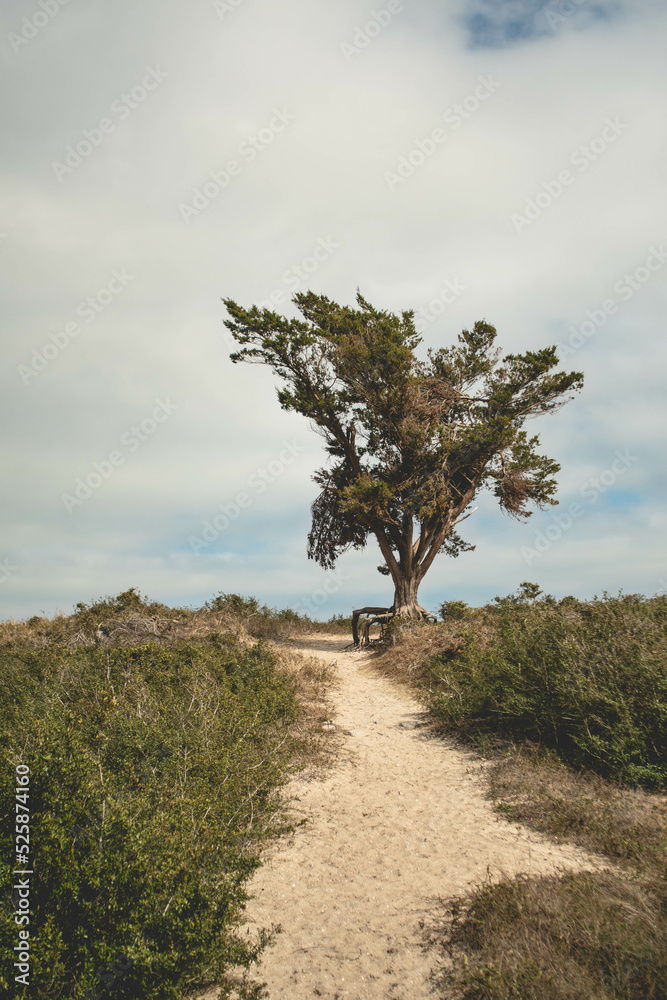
(405, 596)
(406, 573)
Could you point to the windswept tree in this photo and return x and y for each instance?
(410, 441)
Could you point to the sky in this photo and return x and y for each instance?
(468, 159)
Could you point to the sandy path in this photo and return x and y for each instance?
(399, 822)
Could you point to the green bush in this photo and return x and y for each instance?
(259, 620)
(341, 621)
(456, 610)
(586, 679)
(100, 614)
(153, 777)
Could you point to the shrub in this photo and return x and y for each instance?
(456, 610)
(586, 679)
(153, 777)
(112, 607)
(566, 688)
(342, 622)
(258, 619)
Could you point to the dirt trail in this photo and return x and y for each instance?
(400, 822)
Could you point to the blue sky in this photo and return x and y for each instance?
(490, 24)
(469, 160)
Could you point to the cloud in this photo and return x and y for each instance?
(448, 224)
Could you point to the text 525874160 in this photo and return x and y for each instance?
(22, 871)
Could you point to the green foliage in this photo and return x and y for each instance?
(586, 679)
(110, 607)
(341, 621)
(526, 593)
(456, 610)
(410, 440)
(106, 609)
(153, 777)
(259, 620)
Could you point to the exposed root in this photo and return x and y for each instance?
(365, 611)
(381, 617)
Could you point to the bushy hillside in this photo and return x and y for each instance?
(568, 699)
(156, 742)
(588, 679)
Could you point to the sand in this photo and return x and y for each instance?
(399, 823)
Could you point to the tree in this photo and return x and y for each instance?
(410, 441)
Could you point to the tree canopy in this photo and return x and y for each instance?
(410, 440)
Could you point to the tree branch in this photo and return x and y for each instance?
(464, 516)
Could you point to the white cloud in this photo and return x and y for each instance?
(322, 178)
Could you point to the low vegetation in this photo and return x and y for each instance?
(569, 700)
(157, 741)
(587, 679)
(129, 618)
(583, 936)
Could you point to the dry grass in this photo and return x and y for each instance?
(580, 936)
(627, 825)
(313, 679)
(131, 620)
(133, 628)
(413, 644)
